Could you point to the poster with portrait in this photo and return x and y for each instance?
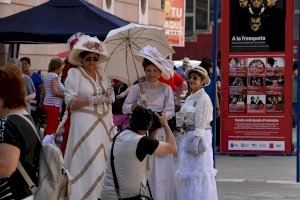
(256, 104)
(256, 59)
(257, 25)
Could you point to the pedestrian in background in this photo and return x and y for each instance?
(36, 104)
(89, 94)
(54, 95)
(185, 65)
(179, 87)
(195, 168)
(29, 86)
(18, 140)
(207, 64)
(158, 97)
(295, 83)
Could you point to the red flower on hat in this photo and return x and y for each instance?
(94, 46)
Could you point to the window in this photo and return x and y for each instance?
(109, 6)
(108, 3)
(189, 6)
(143, 6)
(162, 4)
(143, 12)
(202, 15)
(189, 27)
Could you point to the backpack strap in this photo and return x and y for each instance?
(117, 187)
(32, 126)
(27, 178)
(21, 169)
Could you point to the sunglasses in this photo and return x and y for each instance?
(89, 59)
(194, 78)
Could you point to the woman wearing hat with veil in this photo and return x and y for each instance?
(89, 95)
(158, 97)
(195, 168)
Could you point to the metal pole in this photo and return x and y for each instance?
(298, 111)
(214, 76)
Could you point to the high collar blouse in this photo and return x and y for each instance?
(197, 110)
(159, 96)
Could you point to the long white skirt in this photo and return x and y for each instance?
(196, 173)
(87, 153)
(161, 176)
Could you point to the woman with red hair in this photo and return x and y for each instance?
(18, 141)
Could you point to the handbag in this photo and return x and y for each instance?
(117, 187)
(201, 146)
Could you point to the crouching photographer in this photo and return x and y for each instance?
(126, 173)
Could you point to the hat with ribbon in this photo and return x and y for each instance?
(151, 54)
(90, 44)
(71, 41)
(201, 71)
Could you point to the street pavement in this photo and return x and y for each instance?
(256, 177)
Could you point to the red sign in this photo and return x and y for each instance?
(174, 22)
(256, 46)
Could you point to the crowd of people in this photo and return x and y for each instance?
(128, 162)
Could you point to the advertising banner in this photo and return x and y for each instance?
(256, 76)
(175, 22)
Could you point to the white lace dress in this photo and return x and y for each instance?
(196, 173)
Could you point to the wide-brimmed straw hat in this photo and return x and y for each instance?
(151, 54)
(201, 71)
(87, 43)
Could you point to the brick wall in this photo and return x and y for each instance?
(197, 48)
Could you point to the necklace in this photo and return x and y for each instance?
(153, 84)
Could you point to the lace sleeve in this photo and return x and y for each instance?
(202, 116)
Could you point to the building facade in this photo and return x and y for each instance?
(137, 11)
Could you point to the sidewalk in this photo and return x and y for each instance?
(257, 178)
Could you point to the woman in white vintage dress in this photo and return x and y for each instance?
(89, 95)
(195, 168)
(158, 97)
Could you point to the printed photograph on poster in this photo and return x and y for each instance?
(237, 67)
(237, 103)
(238, 81)
(256, 82)
(274, 103)
(256, 103)
(256, 66)
(257, 25)
(275, 81)
(275, 66)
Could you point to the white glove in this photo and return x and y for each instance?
(49, 139)
(197, 145)
(110, 95)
